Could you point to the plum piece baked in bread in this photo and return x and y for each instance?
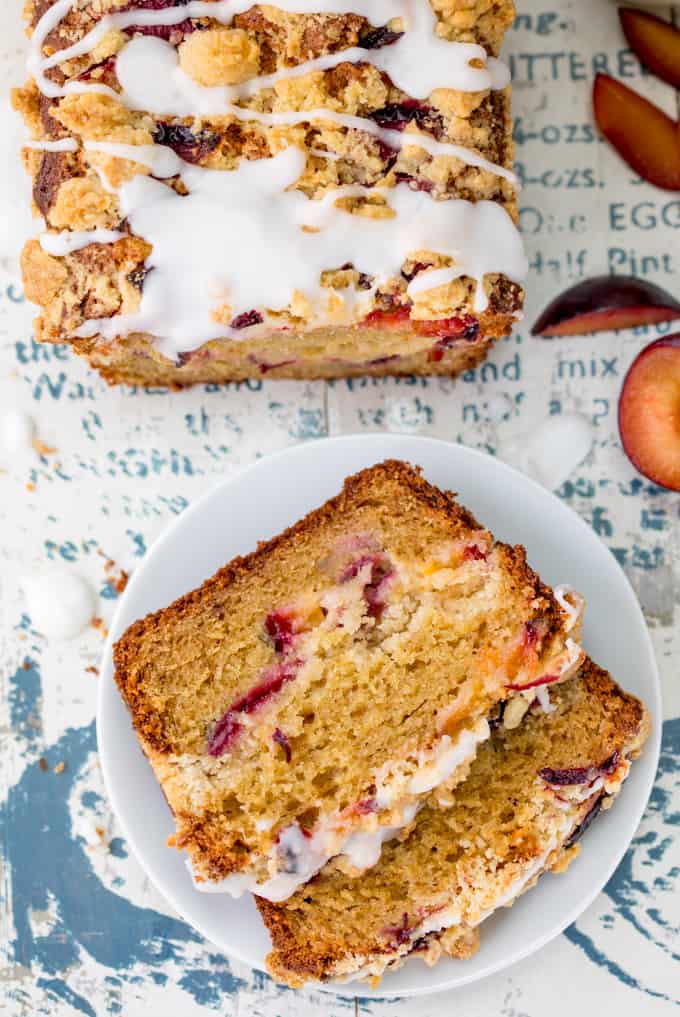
(306, 700)
(530, 794)
(316, 188)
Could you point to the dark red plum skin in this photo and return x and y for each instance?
(592, 813)
(401, 933)
(604, 295)
(563, 776)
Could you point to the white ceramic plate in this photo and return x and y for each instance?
(270, 495)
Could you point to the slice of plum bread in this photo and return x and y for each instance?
(530, 794)
(305, 701)
(298, 190)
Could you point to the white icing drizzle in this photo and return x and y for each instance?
(571, 602)
(161, 160)
(151, 78)
(447, 64)
(363, 848)
(62, 145)
(276, 257)
(324, 154)
(438, 767)
(572, 658)
(68, 241)
(304, 857)
(285, 241)
(430, 279)
(295, 858)
(543, 696)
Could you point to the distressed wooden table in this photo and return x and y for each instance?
(82, 931)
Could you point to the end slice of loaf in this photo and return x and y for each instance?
(306, 700)
(529, 795)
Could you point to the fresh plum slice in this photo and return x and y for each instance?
(649, 412)
(656, 42)
(643, 135)
(606, 302)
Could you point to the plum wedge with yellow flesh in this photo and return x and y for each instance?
(655, 41)
(643, 135)
(603, 303)
(649, 412)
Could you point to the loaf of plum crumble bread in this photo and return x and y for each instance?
(530, 794)
(305, 701)
(315, 188)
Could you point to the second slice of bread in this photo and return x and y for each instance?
(529, 794)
